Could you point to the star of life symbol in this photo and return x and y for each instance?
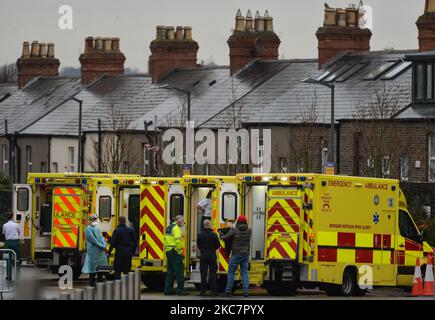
(376, 218)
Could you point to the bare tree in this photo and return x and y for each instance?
(378, 140)
(118, 155)
(302, 138)
(8, 73)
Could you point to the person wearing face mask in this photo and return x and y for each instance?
(95, 251)
(174, 257)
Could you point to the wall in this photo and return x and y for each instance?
(60, 155)
(40, 154)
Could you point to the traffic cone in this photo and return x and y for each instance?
(428, 277)
(417, 285)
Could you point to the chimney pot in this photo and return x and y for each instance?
(170, 33)
(188, 33)
(352, 15)
(98, 43)
(50, 50)
(35, 49)
(107, 44)
(160, 33)
(26, 50)
(89, 44)
(268, 22)
(430, 6)
(259, 23)
(341, 18)
(115, 44)
(240, 22)
(249, 25)
(330, 17)
(179, 33)
(43, 50)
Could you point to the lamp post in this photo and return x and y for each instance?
(331, 155)
(79, 164)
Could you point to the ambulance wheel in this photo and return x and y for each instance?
(349, 283)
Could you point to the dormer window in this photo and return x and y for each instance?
(423, 82)
(423, 65)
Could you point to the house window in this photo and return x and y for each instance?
(260, 155)
(29, 158)
(404, 168)
(324, 154)
(5, 158)
(283, 165)
(55, 167)
(71, 159)
(43, 166)
(146, 160)
(424, 82)
(432, 157)
(386, 167)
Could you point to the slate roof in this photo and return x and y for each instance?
(284, 98)
(267, 92)
(35, 100)
(7, 89)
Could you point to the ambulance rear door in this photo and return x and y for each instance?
(22, 209)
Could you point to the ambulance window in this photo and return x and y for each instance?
(229, 205)
(176, 205)
(407, 228)
(22, 199)
(105, 207)
(133, 207)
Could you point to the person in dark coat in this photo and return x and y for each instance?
(208, 243)
(241, 246)
(125, 242)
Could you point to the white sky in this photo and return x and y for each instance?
(134, 21)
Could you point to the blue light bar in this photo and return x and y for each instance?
(37, 180)
(194, 180)
(116, 181)
(248, 179)
(84, 181)
(302, 179)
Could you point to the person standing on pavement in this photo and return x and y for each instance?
(95, 251)
(205, 206)
(125, 242)
(174, 257)
(11, 231)
(241, 246)
(208, 243)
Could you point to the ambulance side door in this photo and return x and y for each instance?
(177, 205)
(22, 208)
(129, 207)
(105, 209)
(229, 203)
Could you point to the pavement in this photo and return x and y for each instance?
(36, 283)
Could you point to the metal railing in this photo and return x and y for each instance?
(128, 288)
(8, 271)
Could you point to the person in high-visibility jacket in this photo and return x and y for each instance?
(174, 257)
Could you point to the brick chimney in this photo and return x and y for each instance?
(252, 39)
(37, 61)
(101, 56)
(171, 49)
(341, 32)
(426, 27)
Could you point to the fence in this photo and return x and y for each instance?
(8, 271)
(128, 288)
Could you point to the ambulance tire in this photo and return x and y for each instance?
(348, 287)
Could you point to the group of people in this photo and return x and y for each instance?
(237, 237)
(237, 241)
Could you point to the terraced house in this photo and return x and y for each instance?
(384, 108)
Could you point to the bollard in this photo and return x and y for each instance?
(124, 280)
(90, 293)
(65, 295)
(117, 295)
(99, 295)
(79, 294)
(137, 278)
(130, 285)
(109, 290)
